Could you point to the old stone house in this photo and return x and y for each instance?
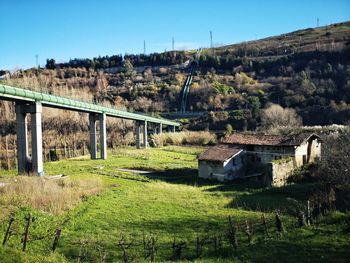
(270, 157)
(221, 162)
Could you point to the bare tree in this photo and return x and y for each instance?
(275, 116)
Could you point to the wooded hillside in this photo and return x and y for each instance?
(307, 70)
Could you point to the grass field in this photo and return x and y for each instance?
(171, 202)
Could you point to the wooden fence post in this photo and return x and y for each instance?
(8, 231)
(232, 234)
(263, 219)
(26, 232)
(308, 219)
(57, 237)
(15, 150)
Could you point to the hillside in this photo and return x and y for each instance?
(327, 38)
(307, 70)
(150, 205)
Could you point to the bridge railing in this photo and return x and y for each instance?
(63, 102)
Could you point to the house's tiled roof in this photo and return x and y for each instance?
(253, 139)
(220, 153)
(297, 139)
(273, 140)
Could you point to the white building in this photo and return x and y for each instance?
(220, 162)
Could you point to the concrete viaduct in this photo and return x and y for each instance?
(31, 102)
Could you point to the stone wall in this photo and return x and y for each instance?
(279, 171)
(211, 170)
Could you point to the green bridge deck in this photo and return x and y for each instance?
(19, 94)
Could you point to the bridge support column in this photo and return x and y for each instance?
(37, 140)
(92, 128)
(25, 164)
(160, 128)
(174, 129)
(103, 136)
(22, 138)
(145, 140)
(138, 135)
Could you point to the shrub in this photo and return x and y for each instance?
(184, 138)
(50, 195)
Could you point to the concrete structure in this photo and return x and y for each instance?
(93, 118)
(138, 133)
(270, 156)
(145, 135)
(31, 102)
(33, 163)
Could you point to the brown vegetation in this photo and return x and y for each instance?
(275, 117)
(183, 138)
(50, 195)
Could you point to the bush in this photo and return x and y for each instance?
(333, 170)
(184, 138)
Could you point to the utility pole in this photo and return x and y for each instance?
(318, 21)
(211, 42)
(144, 47)
(173, 44)
(37, 60)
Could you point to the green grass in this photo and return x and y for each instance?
(172, 200)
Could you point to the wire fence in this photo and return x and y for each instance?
(226, 239)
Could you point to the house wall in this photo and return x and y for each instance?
(301, 152)
(211, 170)
(279, 171)
(269, 153)
(220, 171)
(274, 149)
(315, 150)
(233, 165)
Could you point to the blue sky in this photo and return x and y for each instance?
(64, 29)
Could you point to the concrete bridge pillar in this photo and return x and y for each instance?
(145, 140)
(103, 136)
(93, 117)
(174, 129)
(25, 163)
(138, 135)
(160, 128)
(22, 138)
(92, 128)
(37, 139)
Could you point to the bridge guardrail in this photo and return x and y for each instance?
(62, 102)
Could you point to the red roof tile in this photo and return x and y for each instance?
(220, 153)
(274, 140)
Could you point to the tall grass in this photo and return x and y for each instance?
(184, 138)
(49, 195)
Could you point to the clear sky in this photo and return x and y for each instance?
(64, 29)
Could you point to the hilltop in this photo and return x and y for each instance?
(333, 37)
